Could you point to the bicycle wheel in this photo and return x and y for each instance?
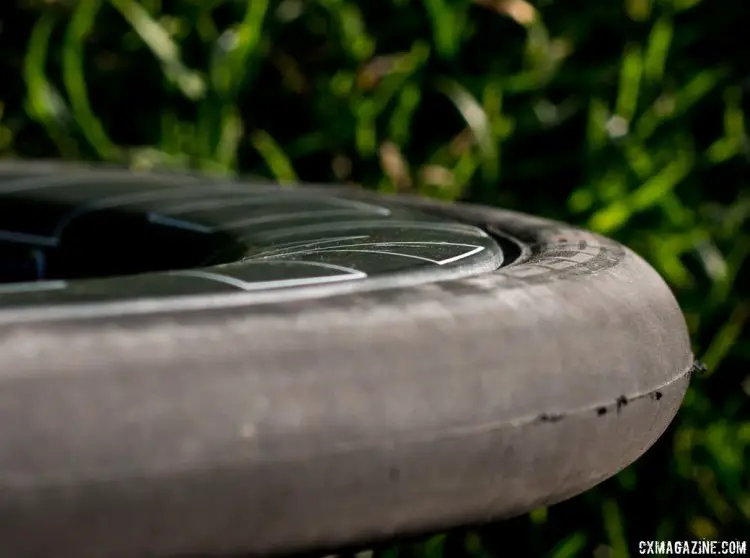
(202, 366)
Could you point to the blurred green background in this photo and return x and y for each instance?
(628, 117)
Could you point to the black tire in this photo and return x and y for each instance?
(237, 423)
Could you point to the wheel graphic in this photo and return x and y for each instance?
(193, 366)
(123, 236)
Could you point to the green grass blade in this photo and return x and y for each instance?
(596, 128)
(235, 49)
(657, 51)
(671, 107)
(478, 122)
(639, 158)
(354, 38)
(229, 139)
(434, 547)
(722, 288)
(631, 70)
(231, 66)
(274, 157)
(447, 21)
(79, 28)
(570, 547)
(615, 529)
(678, 213)
(726, 338)
(399, 125)
(474, 546)
(493, 96)
(43, 102)
(735, 139)
(645, 197)
(365, 132)
(539, 516)
(402, 69)
(157, 39)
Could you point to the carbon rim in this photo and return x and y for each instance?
(89, 241)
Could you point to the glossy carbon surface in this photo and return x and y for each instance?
(96, 236)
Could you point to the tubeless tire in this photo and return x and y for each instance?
(192, 366)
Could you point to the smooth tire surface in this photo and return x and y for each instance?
(237, 421)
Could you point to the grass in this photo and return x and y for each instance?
(628, 118)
